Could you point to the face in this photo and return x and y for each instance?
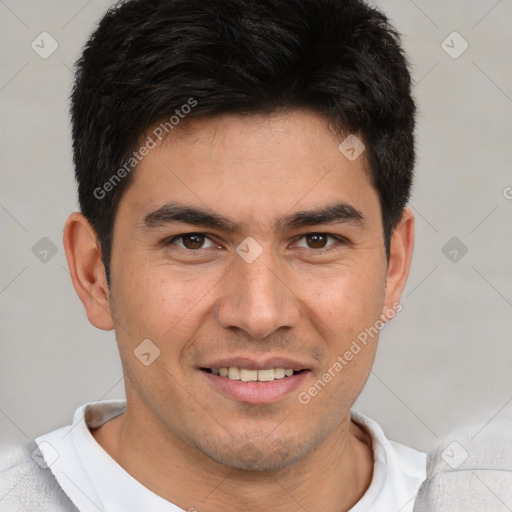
(249, 243)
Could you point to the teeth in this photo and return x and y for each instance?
(246, 375)
(234, 373)
(266, 375)
(279, 373)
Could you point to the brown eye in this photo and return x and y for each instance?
(193, 240)
(319, 241)
(316, 240)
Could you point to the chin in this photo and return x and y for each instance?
(257, 455)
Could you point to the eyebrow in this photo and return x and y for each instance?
(174, 212)
(331, 214)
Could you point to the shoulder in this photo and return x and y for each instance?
(398, 471)
(411, 461)
(26, 483)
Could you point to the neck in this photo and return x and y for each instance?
(331, 478)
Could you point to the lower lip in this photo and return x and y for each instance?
(256, 392)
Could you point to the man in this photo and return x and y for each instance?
(243, 171)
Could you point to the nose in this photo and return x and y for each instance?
(256, 298)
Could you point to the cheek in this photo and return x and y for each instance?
(157, 305)
(344, 300)
(344, 310)
(159, 299)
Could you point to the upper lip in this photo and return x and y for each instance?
(257, 364)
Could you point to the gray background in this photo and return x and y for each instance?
(444, 359)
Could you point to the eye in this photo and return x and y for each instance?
(192, 241)
(317, 241)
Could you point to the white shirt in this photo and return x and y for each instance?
(95, 482)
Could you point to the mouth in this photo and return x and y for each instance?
(250, 375)
(254, 386)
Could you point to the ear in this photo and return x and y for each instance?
(401, 249)
(87, 271)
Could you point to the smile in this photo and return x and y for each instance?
(246, 375)
(250, 386)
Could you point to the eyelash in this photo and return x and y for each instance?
(339, 241)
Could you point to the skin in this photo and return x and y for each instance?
(180, 437)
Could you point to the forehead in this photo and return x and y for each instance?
(251, 167)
